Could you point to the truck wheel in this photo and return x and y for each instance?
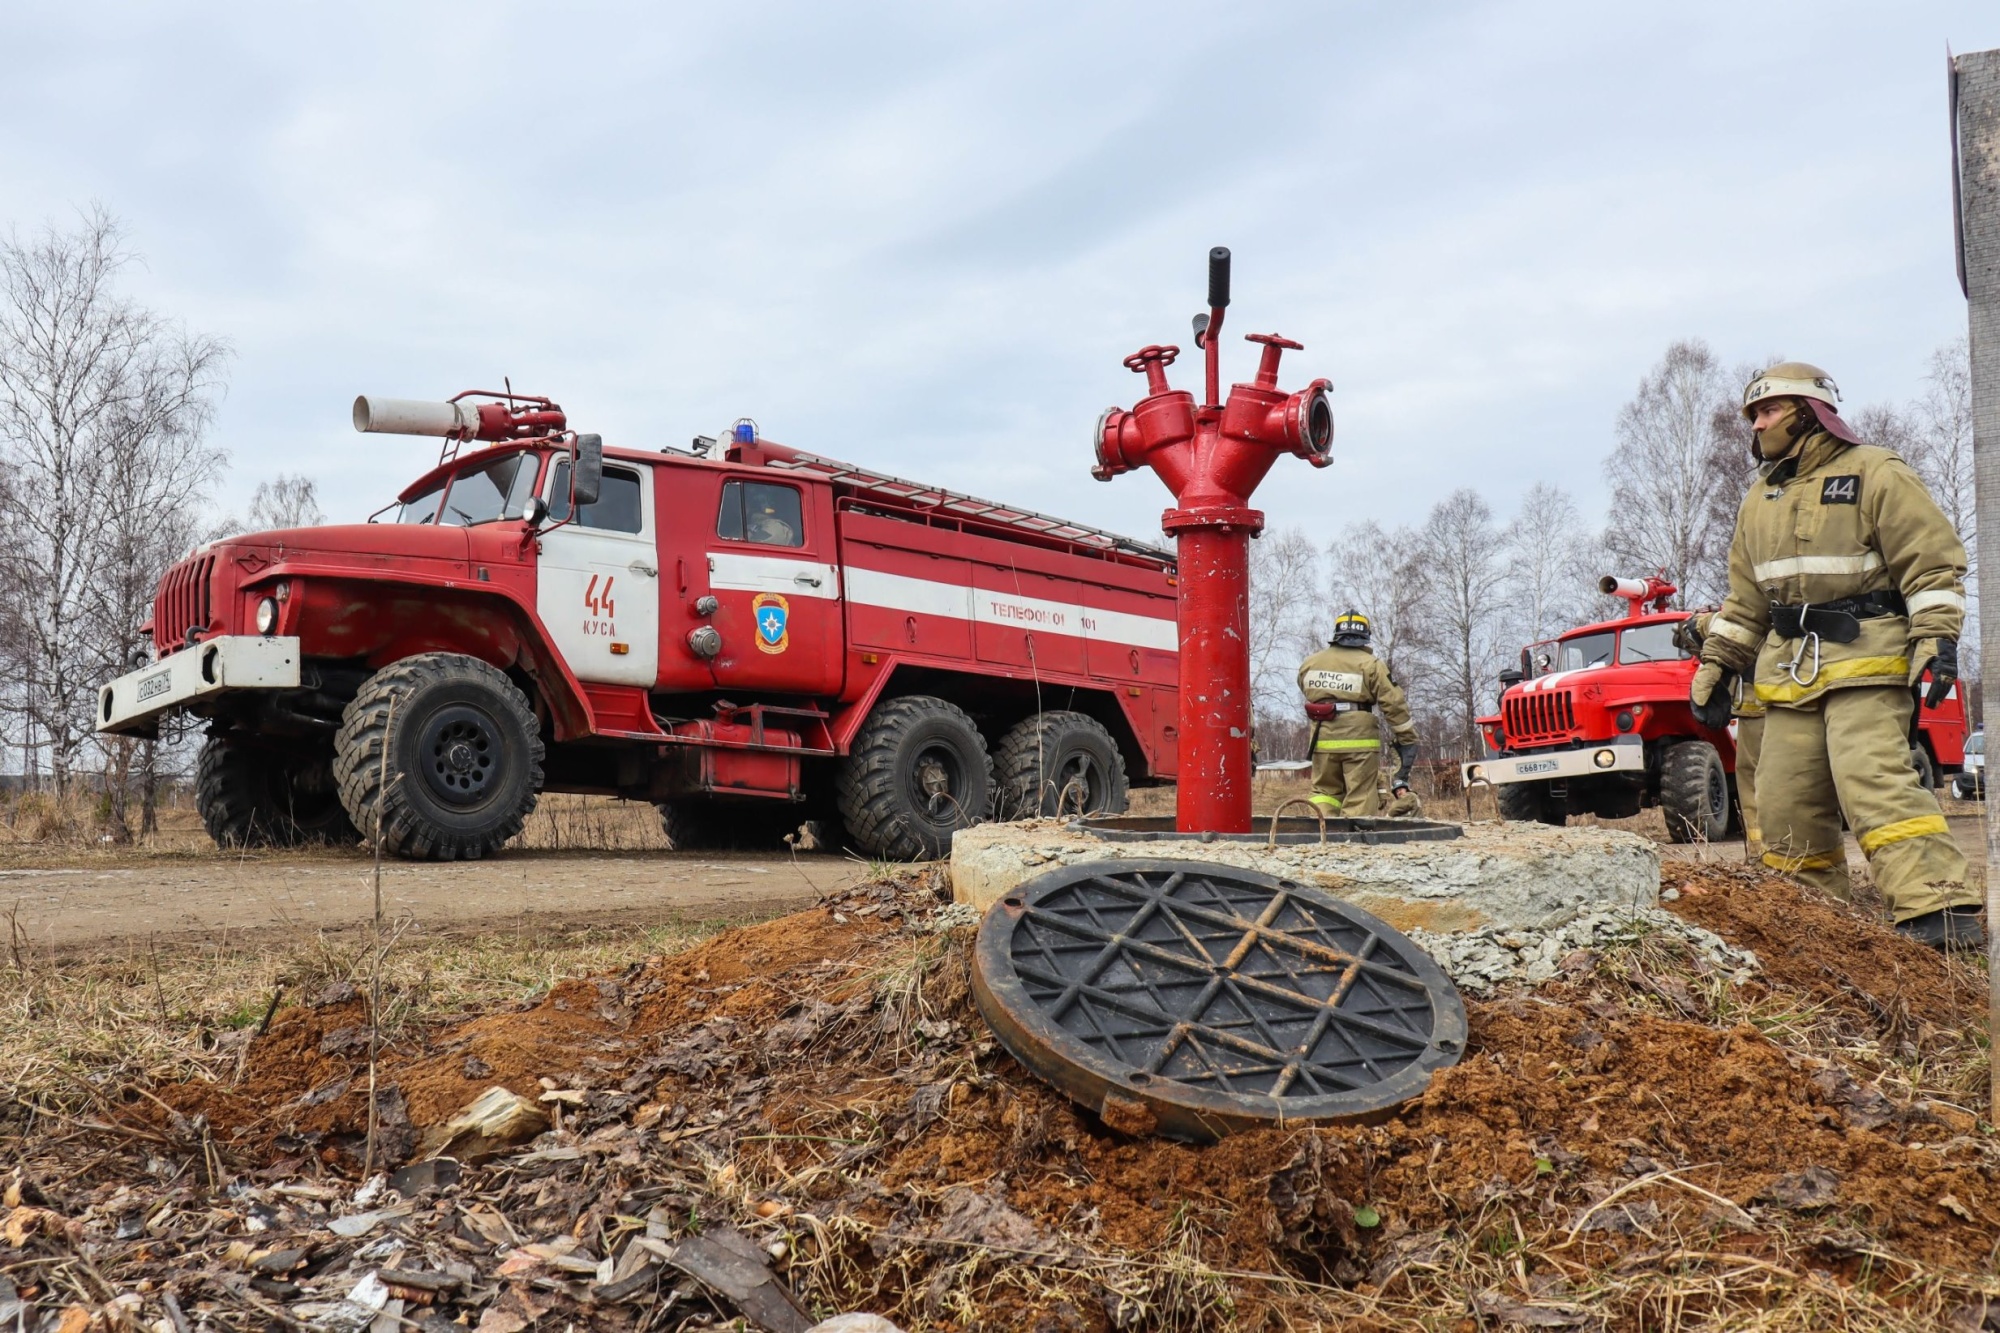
(917, 774)
(254, 795)
(1058, 763)
(1694, 793)
(1528, 803)
(464, 757)
(1926, 770)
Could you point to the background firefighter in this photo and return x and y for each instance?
(1344, 684)
(1845, 584)
(1749, 715)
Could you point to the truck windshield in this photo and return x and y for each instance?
(1585, 650)
(1648, 643)
(492, 491)
(483, 494)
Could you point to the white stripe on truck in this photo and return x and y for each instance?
(900, 592)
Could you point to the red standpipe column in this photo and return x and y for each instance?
(1214, 611)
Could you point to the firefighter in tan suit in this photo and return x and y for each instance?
(1845, 584)
(1344, 684)
(1749, 716)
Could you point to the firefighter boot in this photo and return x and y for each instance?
(1849, 750)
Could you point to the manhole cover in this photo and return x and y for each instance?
(1194, 1000)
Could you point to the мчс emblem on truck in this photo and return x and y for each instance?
(744, 634)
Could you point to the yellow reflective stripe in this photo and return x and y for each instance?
(1816, 564)
(1792, 865)
(1754, 834)
(1349, 745)
(1923, 826)
(1924, 601)
(1854, 668)
(1329, 802)
(1729, 629)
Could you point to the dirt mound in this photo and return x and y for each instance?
(1814, 944)
(1625, 1139)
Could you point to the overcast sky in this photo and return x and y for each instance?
(922, 237)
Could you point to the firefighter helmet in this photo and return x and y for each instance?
(1350, 629)
(1815, 389)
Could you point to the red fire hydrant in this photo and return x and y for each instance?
(1212, 457)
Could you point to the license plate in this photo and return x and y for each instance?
(152, 687)
(1537, 766)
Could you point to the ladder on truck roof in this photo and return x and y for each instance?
(937, 499)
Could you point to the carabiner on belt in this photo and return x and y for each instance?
(1809, 641)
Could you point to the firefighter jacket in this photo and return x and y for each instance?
(1834, 522)
(1356, 677)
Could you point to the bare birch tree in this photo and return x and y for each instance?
(103, 410)
(1552, 564)
(1379, 572)
(1678, 471)
(1464, 555)
(1285, 616)
(285, 502)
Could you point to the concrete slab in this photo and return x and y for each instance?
(1517, 876)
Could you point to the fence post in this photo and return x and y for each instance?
(1975, 108)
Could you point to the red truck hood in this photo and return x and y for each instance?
(402, 541)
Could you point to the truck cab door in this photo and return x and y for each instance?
(597, 585)
(771, 568)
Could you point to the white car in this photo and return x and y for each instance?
(1970, 785)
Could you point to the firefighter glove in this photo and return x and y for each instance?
(1708, 695)
(1407, 754)
(1940, 658)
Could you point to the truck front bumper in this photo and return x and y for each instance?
(132, 704)
(1590, 762)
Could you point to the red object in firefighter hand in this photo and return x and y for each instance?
(1211, 457)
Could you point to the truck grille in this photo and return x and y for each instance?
(184, 600)
(1544, 715)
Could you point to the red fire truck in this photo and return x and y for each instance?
(1596, 721)
(745, 634)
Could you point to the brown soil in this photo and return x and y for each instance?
(844, 1070)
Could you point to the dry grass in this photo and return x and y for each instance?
(75, 1029)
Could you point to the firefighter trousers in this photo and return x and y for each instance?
(1749, 744)
(1346, 773)
(1848, 751)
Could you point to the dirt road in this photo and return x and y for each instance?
(205, 896)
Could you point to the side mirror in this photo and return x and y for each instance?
(586, 471)
(537, 510)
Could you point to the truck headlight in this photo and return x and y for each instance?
(1476, 772)
(267, 616)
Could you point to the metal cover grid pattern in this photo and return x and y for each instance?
(1211, 997)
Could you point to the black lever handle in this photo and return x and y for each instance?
(1218, 277)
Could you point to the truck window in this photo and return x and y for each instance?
(423, 509)
(1585, 650)
(1648, 643)
(497, 490)
(617, 508)
(756, 511)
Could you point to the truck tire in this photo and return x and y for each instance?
(464, 757)
(1058, 763)
(1926, 770)
(918, 772)
(1528, 803)
(252, 794)
(1694, 793)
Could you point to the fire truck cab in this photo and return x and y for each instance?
(742, 633)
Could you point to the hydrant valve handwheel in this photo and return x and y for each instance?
(1211, 456)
